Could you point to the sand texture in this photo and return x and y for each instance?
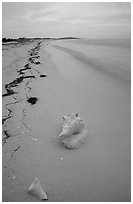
(42, 82)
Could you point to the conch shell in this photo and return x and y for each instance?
(73, 133)
(37, 190)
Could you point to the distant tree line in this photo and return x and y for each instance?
(15, 39)
(8, 39)
(28, 39)
(21, 39)
(66, 38)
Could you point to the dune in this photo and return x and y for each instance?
(41, 83)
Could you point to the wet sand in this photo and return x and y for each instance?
(68, 76)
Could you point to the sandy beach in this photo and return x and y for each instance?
(41, 82)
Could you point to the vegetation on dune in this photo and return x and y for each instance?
(21, 40)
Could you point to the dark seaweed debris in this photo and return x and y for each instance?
(24, 69)
(7, 135)
(32, 100)
(4, 119)
(14, 83)
(30, 76)
(43, 75)
(15, 150)
(31, 60)
(35, 56)
(27, 66)
(37, 62)
(20, 72)
(9, 92)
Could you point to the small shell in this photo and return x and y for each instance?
(37, 190)
(73, 133)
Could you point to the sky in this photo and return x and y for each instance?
(56, 19)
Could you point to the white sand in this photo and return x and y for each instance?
(93, 81)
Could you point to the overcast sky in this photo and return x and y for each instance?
(89, 20)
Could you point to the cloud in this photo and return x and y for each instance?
(78, 13)
(72, 17)
(56, 12)
(40, 14)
